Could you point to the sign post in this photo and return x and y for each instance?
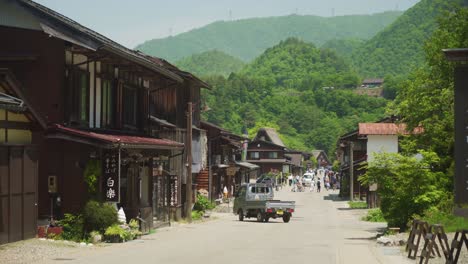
(111, 175)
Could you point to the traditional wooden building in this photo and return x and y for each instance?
(321, 157)
(74, 102)
(226, 167)
(365, 142)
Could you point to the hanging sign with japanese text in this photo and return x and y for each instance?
(111, 179)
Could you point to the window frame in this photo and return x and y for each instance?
(252, 156)
(108, 103)
(75, 97)
(125, 88)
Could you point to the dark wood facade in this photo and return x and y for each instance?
(225, 164)
(270, 157)
(88, 91)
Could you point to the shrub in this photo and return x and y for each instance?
(98, 216)
(72, 227)
(197, 215)
(407, 186)
(357, 204)
(450, 222)
(374, 215)
(121, 233)
(203, 204)
(115, 233)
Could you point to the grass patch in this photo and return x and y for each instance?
(374, 215)
(357, 205)
(450, 222)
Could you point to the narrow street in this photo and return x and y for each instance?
(321, 231)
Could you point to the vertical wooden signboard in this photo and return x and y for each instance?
(461, 135)
(111, 175)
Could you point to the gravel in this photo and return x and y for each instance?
(395, 241)
(39, 250)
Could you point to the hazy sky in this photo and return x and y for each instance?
(131, 22)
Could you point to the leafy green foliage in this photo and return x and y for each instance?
(197, 215)
(122, 233)
(343, 47)
(374, 215)
(398, 48)
(248, 38)
(202, 204)
(91, 174)
(357, 205)
(407, 186)
(72, 227)
(212, 62)
(98, 216)
(284, 89)
(450, 222)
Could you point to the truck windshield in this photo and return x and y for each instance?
(259, 189)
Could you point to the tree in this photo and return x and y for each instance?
(406, 186)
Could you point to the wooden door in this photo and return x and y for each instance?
(18, 193)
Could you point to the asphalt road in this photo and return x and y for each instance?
(320, 231)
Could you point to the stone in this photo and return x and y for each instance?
(96, 239)
(384, 240)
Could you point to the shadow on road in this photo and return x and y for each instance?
(350, 209)
(333, 197)
(362, 238)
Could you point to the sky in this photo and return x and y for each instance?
(131, 22)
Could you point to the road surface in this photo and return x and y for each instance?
(321, 231)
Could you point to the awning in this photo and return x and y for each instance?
(282, 161)
(57, 131)
(247, 165)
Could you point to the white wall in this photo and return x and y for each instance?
(381, 143)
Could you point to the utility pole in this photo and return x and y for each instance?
(188, 148)
(351, 171)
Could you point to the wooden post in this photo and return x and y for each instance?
(210, 173)
(351, 172)
(188, 148)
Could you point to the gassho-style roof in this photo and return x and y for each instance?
(57, 131)
(385, 129)
(59, 26)
(271, 134)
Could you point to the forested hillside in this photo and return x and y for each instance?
(399, 48)
(213, 62)
(248, 38)
(286, 88)
(343, 47)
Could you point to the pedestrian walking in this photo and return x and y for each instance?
(318, 184)
(290, 179)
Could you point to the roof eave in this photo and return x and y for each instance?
(460, 54)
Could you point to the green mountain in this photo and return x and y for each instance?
(248, 38)
(289, 87)
(343, 47)
(399, 48)
(293, 61)
(213, 62)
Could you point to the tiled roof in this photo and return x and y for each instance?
(384, 129)
(125, 141)
(378, 80)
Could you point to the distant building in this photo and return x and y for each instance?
(372, 83)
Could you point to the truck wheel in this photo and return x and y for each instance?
(286, 218)
(259, 216)
(241, 215)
